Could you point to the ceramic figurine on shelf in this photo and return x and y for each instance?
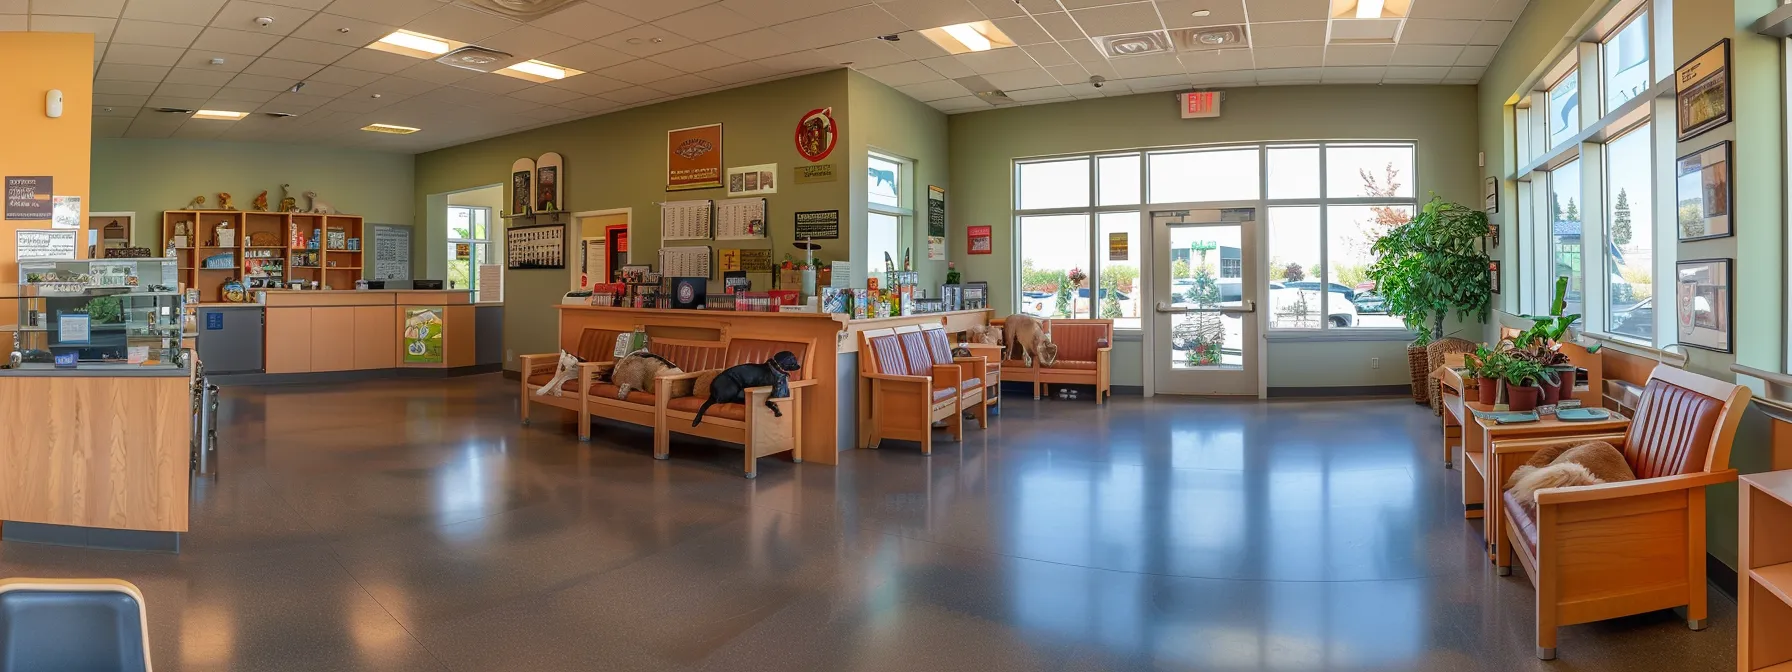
(224, 201)
(287, 202)
(197, 203)
(318, 206)
(260, 204)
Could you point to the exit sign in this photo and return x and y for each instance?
(1200, 104)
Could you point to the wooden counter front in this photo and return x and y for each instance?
(357, 330)
(96, 451)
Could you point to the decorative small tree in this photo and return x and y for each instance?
(1433, 265)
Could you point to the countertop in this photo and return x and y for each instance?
(96, 371)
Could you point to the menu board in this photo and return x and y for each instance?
(391, 252)
(685, 262)
(684, 220)
(741, 219)
(818, 224)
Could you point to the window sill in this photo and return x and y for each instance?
(1632, 346)
(1338, 335)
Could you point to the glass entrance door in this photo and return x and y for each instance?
(1205, 282)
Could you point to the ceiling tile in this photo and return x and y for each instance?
(1438, 31)
(1425, 54)
(1118, 19)
(920, 14)
(178, 102)
(1180, 13)
(139, 54)
(870, 53)
(695, 58)
(592, 104)
(948, 67)
(1217, 60)
(1450, 9)
(707, 23)
(186, 90)
(633, 94)
(999, 9)
(1083, 51)
(460, 23)
(308, 51)
(262, 82)
(115, 111)
(213, 78)
(403, 86)
(11, 23)
(1290, 34)
(901, 74)
(1416, 73)
(652, 10)
(276, 67)
(1031, 78)
(107, 86)
(1019, 29)
(244, 95)
(643, 41)
(755, 44)
(801, 61)
(1067, 74)
(101, 28)
(241, 15)
(388, 12)
(960, 104)
(1507, 10)
(495, 83)
(1358, 54)
(938, 89)
(587, 57)
(326, 89)
(330, 28)
(1159, 83)
(526, 42)
(1235, 78)
(437, 73)
(1476, 56)
(918, 47)
(1289, 57)
(191, 12)
(774, 12)
(739, 73)
(1060, 26)
(1353, 75)
(996, 60)
(1459, 72)
(134, 73)
(373, 60)
(1490, 33)
(1043, 94)
(1289, 76)
(1263, 11)
(1049, 54)
(235, 41)
(584, 21)
(847, 25)
(1154, 65)
(682, 85)
(639, 72)
(154, 33)
(202, 60)
(108, 8)
(548, 95)
(589, 84)
(121, 100)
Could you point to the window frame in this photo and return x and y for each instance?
(904, 212)
(1639, 13)
(487, 243)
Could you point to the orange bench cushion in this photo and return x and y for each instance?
(691, 404)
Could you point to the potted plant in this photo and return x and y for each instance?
(1549, 332)
(1484, 366)
(1524, 381)
(1433, 265)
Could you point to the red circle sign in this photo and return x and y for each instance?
(816, 134)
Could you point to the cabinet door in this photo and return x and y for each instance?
(289, 340)
(376, 337)
(333, 338)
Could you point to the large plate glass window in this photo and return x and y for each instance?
(1625, 59)
(469, 247)
(1053, 248)
(1630, 234)
(888, 212)
(1564, 235)
(1564, 109)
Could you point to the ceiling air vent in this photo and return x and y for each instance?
(1134, 44)
(525, 10)
(1209, 38)
(475, 58)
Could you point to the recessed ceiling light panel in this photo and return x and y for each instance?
(539, 72)
(1370, 9)
(390, 129)
(415, 45)
(1133, 44)
(219, 115)
(964, 38)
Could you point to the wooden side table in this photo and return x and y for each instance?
(1481, 487)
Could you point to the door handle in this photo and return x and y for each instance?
(1241, 307)
(1246, 306)
(1166, 308)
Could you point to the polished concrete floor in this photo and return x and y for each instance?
(416, 525)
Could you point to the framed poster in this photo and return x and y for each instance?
(522, 185)
(1704, 303)
(753, 180)
(1702, 91)
(1703, 192)
(1493, 272)
(694, 157)
(936, 223)
(423, 335)
(977, 240)
(530, 247)
(29, 197)
(817, 225)
(1490, 196)
(816, 134)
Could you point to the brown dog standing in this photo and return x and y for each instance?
(1031, 339)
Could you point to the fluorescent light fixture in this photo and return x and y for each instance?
(389, 128)
(220, 115)
(412, 44)
(1368, 9)
(539, 71)
(964, 38)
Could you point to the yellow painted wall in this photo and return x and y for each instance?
(35, 144)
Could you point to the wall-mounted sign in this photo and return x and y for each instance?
(522, 185)
(694, 157)
(755, 261)
(1201, 104)
(1117, 246)
(753, 180)
(56, 244)
(821, 172)
(977, 240)
(1702, 91)
(463, 250)
(936, 223)
(816, 134)
(29, 197)
(818, 225)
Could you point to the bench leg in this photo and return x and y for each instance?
(982, 413)
(524, 410)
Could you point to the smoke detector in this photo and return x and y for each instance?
(1209, 38)
(474, 58)
(1133, 44)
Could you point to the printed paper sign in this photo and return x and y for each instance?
(29, 197)
(66, 212)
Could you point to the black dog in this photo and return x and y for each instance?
(730, 386)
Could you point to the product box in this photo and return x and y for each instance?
(861, 304)
(786, 297)
(836, 300)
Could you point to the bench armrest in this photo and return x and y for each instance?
(1648, 486)
(1533, 445)
(800, 384)
(948, 374)
(893, 378)
(538, 363)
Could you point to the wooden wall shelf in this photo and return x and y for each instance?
(283, 226)
(1764, 590)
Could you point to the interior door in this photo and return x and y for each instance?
(1205, 283)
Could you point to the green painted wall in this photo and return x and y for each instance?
(150, 176)
(1441, 119)
(618, 160)
(1542, 34)
(887, 120)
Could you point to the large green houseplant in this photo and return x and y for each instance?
(1433, 265)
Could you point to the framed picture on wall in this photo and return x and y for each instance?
(1702, 91)
(1490, 196)
(1704, 304)
(1703, 193)
(1493, 272)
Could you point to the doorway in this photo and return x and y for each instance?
(1204, 324)
(597, 249)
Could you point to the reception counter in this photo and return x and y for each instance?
(830, 408)
(368, 332)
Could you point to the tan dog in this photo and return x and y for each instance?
(637, 372)
(985, 334)
(1031, 339)
(1563, 466)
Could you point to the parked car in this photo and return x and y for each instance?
(1284, 295)
(1636, 319)
(1370, 303)
(1335, 288)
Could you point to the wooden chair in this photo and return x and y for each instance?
(74, 624)
(973, 370)
(1084, 348)
(907, 392)
(1616, 549)
(992, 373)
(596, 347)
(751, 424)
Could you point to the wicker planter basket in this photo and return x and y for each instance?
(1416, 359)
(1434, 355)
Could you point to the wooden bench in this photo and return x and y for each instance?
(751, 424)
(1084, 350)
(589, 396)
(596, 346)
(907, 391)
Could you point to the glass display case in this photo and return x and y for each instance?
(97, 313)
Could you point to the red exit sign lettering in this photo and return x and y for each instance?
(1200, 104)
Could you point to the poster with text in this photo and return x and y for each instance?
(66, 212)
(977, 240)
(694, 157)
(936, 223)
(29, 197)
(423, 335)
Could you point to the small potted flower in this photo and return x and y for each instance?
(1483, 366)
(1525, 381)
